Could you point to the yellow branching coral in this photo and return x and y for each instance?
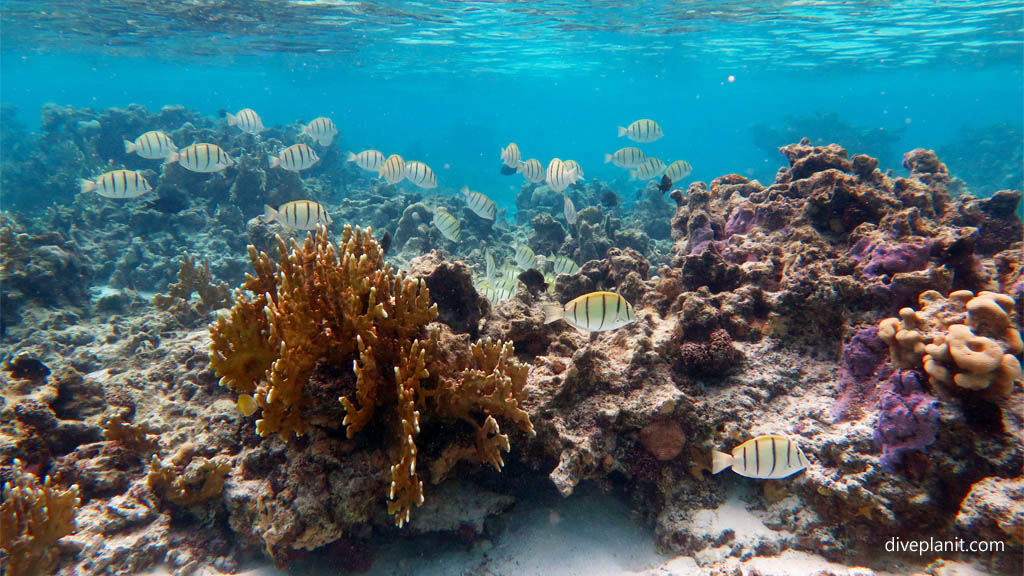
(33, 517)
(201, 480)
(344, 307)
(965, 341)
(193, 277)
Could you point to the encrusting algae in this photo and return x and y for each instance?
(343, 307)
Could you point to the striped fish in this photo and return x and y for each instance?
(510, 155)
(500, 289)
(490, 268)
(594, 312)
(299, 215)
(766, 457)
(574, 165)
(629, 157)
(563, 265)
(642, 131)
(532, 170)
(322, 130)
(479, 203)
(650, 168)
(247, 120)
(153, 145)
(202, 158)
(525, 257)
(420, 174)
(369, 160)
(570, 211)
(558, 176)
(678, 170)
(447, 224)
(295, 158)
(118, 184)
(393, 169)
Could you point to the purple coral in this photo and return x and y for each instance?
(862, 359)
(908, 419)
(740, 221)
(888, 260)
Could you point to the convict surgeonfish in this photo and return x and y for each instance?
(153, 145)
(642, 131)
(299, 215)
(393, 169)
(678, 170)
(247, 120)
(569, 209)
(489, 267)
(295, 158)
(532, 170)
(563, 265)
(629, 157)
(479, 203)
(574, 165)
(447, 224)
(765, 457)
(420, 174)
(526, 259)
(558, 177)
(202, 158)
(369, 160)
(650, 168)
(118, 184)
(510, 155)
(322, 130)
(594, 312)
(499, 289)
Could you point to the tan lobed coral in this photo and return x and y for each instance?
(185, 484)
(344, 308)
(33, 517)
(965, 341)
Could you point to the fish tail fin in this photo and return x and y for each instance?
(129, 147)
(622, 131)
(720, 461)
(553, 313)
(351, 157)
(172, 158)
(232, 119)
(275, 162)
(269, 213)
(607, 158)
(88, 186)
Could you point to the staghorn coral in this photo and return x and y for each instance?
(33, 517)
(964, 342)
(322, 309)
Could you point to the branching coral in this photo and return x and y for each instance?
(963, 341)
(137, 437)
(201, 480)
(33, 517)
(198, 279)
(343, 307)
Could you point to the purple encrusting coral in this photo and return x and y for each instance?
(908, 419)
(862, 358)
(899, 258)
(740, 221)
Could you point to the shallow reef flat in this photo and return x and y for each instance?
(189, 388)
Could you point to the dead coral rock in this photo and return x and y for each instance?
(622, 271)
(714, 357)
(414, 223)
(451, 290)
(806, 160)
(994, 510)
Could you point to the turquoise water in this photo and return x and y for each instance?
(450, 83)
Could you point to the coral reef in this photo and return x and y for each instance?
(908, 420)
(33, 517)
(186, 484)
(198, 279)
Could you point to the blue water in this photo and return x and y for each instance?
(450, 84)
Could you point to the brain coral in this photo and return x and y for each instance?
(965, 341)
(344, 308)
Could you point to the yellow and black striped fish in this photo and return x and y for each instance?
(678, 170)
(765, 457)
(558, 176)
(510, 155)
(153, 145)
(322, 130)
(563, 265)
(570, 211)
(299, 215)
(479, 203)
(369, 160)
(247, 120)
(648, 169)
(393, 169)
(642, 131)
(447, 224)
(532, 170)
(420, 174)
(525, 257)
(295, 158)
(594, 312)
(629, 157)
(574, 165)
(118, 184)
(202, 158)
